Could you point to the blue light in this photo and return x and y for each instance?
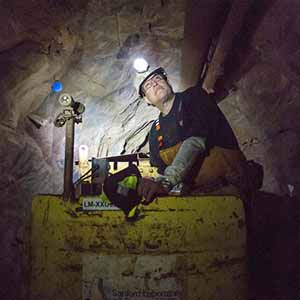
(57, 86)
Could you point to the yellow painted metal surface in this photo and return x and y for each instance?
(207, 235)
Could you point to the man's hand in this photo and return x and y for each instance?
(150, 189)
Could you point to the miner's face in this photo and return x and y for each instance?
(156, 89)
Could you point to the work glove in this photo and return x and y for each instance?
(121, 189)
(150, 189)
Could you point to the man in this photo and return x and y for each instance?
(191, 142)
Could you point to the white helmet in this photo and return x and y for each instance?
(142, 77)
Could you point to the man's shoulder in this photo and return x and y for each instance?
(194, 91)
(154, 124)
(194, 96)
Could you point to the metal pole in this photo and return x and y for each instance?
(69, 159)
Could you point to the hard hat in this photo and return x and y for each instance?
(142, 77)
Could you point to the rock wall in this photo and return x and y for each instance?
(90, 47)
(264, 106)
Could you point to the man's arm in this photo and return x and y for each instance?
(185, 158)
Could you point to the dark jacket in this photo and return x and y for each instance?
(194, 113)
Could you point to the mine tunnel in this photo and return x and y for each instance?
(92, 205)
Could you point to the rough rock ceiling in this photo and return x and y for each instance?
(90, 46)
